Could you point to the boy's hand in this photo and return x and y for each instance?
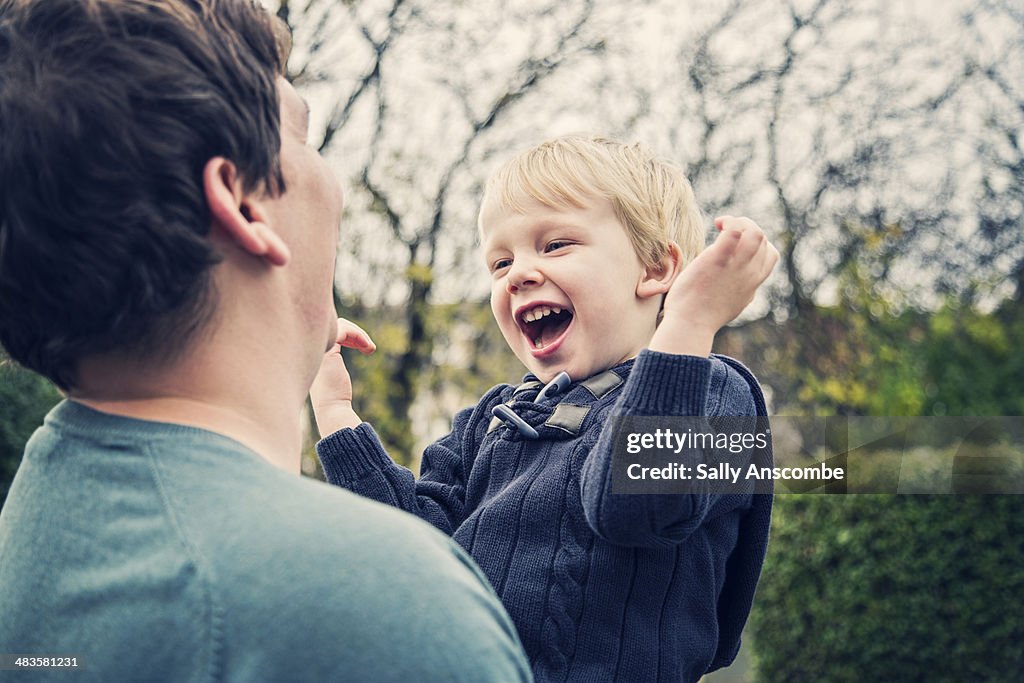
(715, 287)
(331, 393)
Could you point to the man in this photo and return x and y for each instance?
(167, 243)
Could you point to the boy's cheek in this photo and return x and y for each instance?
(511, 336)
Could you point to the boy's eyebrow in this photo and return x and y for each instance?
(488, 249)
(560, 225)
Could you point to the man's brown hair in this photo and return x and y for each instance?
(109, 110)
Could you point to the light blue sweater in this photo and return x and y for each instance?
(160, 552)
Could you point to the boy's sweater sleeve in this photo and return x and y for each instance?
(356, 460)
(662, 384)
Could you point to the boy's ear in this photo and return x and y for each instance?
(657, 279)
(240, 215)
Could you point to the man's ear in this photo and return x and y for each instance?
(239, 214)
(658, 279)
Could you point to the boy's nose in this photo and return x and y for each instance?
(523, 275)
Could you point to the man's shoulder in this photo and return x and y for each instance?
(274, 509)
(297, 565)
(278, 577)
(248, 517)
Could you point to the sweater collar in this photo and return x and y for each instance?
(558, 416)
(580, 391)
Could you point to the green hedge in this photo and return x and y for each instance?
(25, 399)
(892, 588)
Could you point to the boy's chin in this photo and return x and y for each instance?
(577, 368)
(545, 373)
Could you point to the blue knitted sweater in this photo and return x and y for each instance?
(602, 587)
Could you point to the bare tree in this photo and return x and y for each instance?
(878, 142)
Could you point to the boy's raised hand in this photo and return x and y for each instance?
(715, 287)
(331, 393)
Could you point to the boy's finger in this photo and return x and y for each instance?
(352, 336)
(754, 242)
(740, 223)
(771, 257)
(720, 221)
(760, 263)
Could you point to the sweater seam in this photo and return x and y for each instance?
(197, 560)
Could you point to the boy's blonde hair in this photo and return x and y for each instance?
(651, 196)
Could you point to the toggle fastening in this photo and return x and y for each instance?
(507, 415)
(556, 386)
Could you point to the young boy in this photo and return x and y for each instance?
(586, 240)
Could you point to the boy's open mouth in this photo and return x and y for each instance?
(543, 324)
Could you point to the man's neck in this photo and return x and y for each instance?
(252, 408)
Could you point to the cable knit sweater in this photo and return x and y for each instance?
(602, 587)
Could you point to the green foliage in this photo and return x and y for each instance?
(972, 364)
(373, 386)
(24, 399)
(854, 363)
(892, 588)
(864, 357)
(904, 587)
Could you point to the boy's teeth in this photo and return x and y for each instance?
(536, 343)
(539, 312)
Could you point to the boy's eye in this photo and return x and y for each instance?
(557, 244)
(501, 263)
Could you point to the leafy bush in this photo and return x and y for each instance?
(25, 399)
(892, 587)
